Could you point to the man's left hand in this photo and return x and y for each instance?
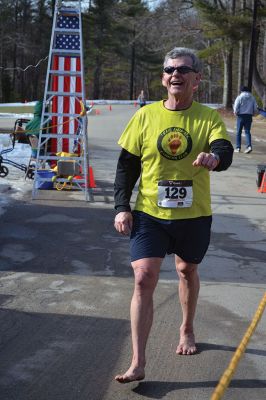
(206, 160)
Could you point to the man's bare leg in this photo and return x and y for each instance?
(189, 286)
(146, 273)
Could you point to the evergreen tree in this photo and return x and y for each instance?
(99, 42)
(228, 25)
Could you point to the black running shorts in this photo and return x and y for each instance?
(154, 237)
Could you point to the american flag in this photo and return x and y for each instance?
(66, 40)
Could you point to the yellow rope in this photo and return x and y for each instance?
(66, 185)
(228, 373)
(83, 109)
(82, 114)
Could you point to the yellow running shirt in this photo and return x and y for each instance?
(168, 142)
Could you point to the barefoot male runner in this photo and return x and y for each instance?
(172, 145)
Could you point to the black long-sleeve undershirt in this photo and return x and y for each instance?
(129, 169)
(127, 173)
(224, 149)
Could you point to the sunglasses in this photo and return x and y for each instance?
(183, 69)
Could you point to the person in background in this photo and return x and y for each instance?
(244, 107)
(141, 99)
(172, 145)
(32, 129)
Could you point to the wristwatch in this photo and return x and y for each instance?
(217, 158)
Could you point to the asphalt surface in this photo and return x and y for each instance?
(66, 285)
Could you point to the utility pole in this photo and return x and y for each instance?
(252, 53)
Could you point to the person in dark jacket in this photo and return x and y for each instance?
(141, 99)
(245, 107)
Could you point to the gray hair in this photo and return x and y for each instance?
(178, 52)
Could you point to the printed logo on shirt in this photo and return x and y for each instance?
(174, 143)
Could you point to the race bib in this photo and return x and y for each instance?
(175, 194)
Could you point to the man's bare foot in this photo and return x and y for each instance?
(186, 344)
(132, 374)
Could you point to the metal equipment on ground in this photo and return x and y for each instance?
(63, 139)
(19, 136)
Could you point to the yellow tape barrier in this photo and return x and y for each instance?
(228, 373)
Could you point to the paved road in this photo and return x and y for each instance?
(65, 288)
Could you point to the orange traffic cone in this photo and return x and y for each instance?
(90, 178)
(262, 188)
(110, 107)
(91, 182)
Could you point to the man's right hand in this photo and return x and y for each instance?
(123, 222)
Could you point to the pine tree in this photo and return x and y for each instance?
(225, 28)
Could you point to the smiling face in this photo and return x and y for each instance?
(181, 86)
